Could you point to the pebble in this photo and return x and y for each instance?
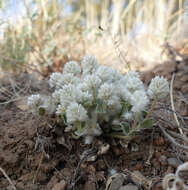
(174, 162)
(129, 187)
(117, 182)
(60, 186)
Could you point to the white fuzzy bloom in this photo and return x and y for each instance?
(139, 101)
(76, 112)
(54, 77)
(91, 83)
(60, 109)
(132, 81)
(132, 74)
(116, 75)
(56, 95)
(66, 79)
(105, 73)
(106, 91)
(70, 93)
(107, 95)
(72, 67)
(86, 98)
(158, 87)
(114, 105)
(48, 104)
(128, 116)
(89, 65)
(34, 102)
(123, 93)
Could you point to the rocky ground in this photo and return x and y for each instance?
(32, 158)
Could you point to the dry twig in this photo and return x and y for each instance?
(75, 178)
(9, 180)
(172, 103)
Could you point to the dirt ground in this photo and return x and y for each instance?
(23, 138)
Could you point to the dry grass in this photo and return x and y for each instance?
(48, 37)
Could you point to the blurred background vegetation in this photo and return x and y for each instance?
(45, 34)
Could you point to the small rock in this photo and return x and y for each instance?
(117, 182)
(60, 186)
(129, 187)
(174, 162)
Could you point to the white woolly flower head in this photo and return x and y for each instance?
(54, 77)
(70, 93)
(128, 116)
(158, 87)
(89, 64)
(106, 91)
(34, 102)
(113, 105)
(56, 95)
(76, 113)
(116, 75)
(60, 109)
(132, 74)
(139, 101)
(132, 81)
(123, 93)
(66, 79)
(105, 73)
(72, 67)
(107, 94)
(91, 83)
(86, 98)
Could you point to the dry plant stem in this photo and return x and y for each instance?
(172, 103)
(38, 168)
(118, 136)
(9, 180)
(75, 177)
(135, 121)
(152, 107)
(172, 139)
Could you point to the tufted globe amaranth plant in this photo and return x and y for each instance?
(66, 79)
(72, 67)
(89, 64)
(132, 81)
(158, 87)
(90, 100)
(76, 113)
(41, 105)
(139, 101)
(54, 78)
(34, 102)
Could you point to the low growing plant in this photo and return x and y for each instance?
(90, 100)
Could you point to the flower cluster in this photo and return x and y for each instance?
(88, 97)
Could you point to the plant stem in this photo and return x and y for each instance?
(135, 121)
(152, 107)
(118, 136)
